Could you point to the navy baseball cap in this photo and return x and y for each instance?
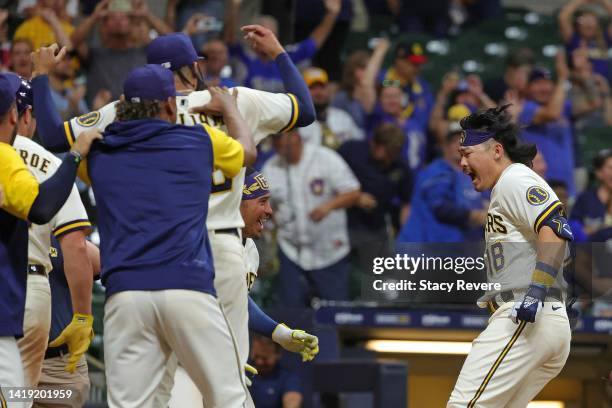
(172, 51)
(9, 85)
(149, 83)
(539, 73)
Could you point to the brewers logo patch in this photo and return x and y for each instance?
(536, 195)
(89, 119)
(317, 186)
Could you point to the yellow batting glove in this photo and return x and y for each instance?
(296, 341)
(250, 369)
(77, 335)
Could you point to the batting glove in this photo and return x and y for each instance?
(252, 370)
(526, 310)
(296, 341)
(77, 335)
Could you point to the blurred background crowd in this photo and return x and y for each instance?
(390, 80)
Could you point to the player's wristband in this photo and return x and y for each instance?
(544, 274)
(282, 333)
(77, 156)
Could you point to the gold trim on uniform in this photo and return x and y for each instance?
(499, 360)
(69, 134)
(295, 111)
(545, 214)
(2, 400)
(71, 226)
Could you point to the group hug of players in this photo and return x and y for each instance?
(176, 257)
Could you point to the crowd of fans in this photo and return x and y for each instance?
(384, 141)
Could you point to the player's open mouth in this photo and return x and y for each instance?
(261, 221)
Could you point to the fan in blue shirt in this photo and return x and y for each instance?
(256, 70)
(274, 386)
(445, 207)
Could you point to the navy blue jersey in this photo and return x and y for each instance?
(268, 390)
(152, 182)
(13, 273)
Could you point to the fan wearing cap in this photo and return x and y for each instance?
(333, 126)
(152, 180)
(545, 116)
(407, 63)
(25, 200)
(527, 339)
(256, 210)
(264, 113)
(70, 226)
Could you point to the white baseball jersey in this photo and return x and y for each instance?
(72, 216)
(520, 201)
(252, 261)
(265, 113)
(297, 190)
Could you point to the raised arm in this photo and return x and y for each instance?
(142, 10)
(322, 31)
(365, 92)
(61, 36)
(262, 39)
(608, 6)
(554, 108)
(231, 22)
(50, 124)
(83, 30)
(566, 27)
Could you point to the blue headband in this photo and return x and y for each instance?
(472, 137)
(255, 186)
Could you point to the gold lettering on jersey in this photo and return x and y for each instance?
(495, 223)
(35, 161)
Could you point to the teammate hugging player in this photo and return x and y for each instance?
(264, 113)
(527, 340)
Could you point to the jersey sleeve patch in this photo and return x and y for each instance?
(89, 119)
(537, 195)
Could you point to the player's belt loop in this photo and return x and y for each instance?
(34, 269)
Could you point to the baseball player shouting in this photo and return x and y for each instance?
(69, 225)
(265, 113)
(255, 210)
(527, 340)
